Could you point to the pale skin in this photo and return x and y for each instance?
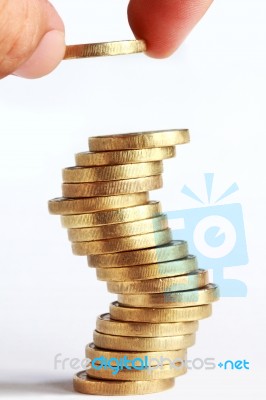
(32, 34)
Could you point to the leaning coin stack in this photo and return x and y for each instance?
(161, 292)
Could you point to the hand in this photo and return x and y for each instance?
(32, 40)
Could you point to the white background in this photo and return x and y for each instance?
(215, 85)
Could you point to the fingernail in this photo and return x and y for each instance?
(46, 57)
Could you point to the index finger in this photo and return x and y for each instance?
(164, 24)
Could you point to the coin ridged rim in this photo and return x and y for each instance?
(93, 352)
(139, 140)
(205, 295)
(193, 280)
(90, 159)
(125, 186)
(125, 229)
(172, 251)
(101, 49)
(148, 271)
(122, 244)
(127, 343)
(164, 372)
(122, 215)
(159, 315)
(111, 173)
(106, 325)
(68, 206)
(86, 385)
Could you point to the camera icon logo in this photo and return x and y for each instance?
(215, 234)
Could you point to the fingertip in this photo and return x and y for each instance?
(162, 50)
(164, 25)
(48, 54)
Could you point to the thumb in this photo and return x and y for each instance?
(32, 41)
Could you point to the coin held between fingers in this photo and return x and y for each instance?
(123, 47)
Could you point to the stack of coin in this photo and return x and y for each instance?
(161, 292)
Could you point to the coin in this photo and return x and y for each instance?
(159, 315)
(127, 343)
(145, 374)
(122, 244)
(119, 230)
(125, 186)
(108, 326)
(139, 140)
(189, 281)
(149, 271)
(104, 49)
(86, 385)
(153, 357)
(172, 251)
(90, 159)
(111, 173)
(122, 215)
(66, 206)
(189, 298)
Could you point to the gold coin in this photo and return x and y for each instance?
(159, 315)
(89, 159)
(104, 49)
(108, 326)
(125, 186)
(127, 343)
(189, 281)
(86, 385)
(139, 140)
(149, 271)
(122, 244)
(189, 298)
(172, 251)
(111, 173)
(153, 357)
(145, 374)
(66, 206)
(119, 230)
(122, 215)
